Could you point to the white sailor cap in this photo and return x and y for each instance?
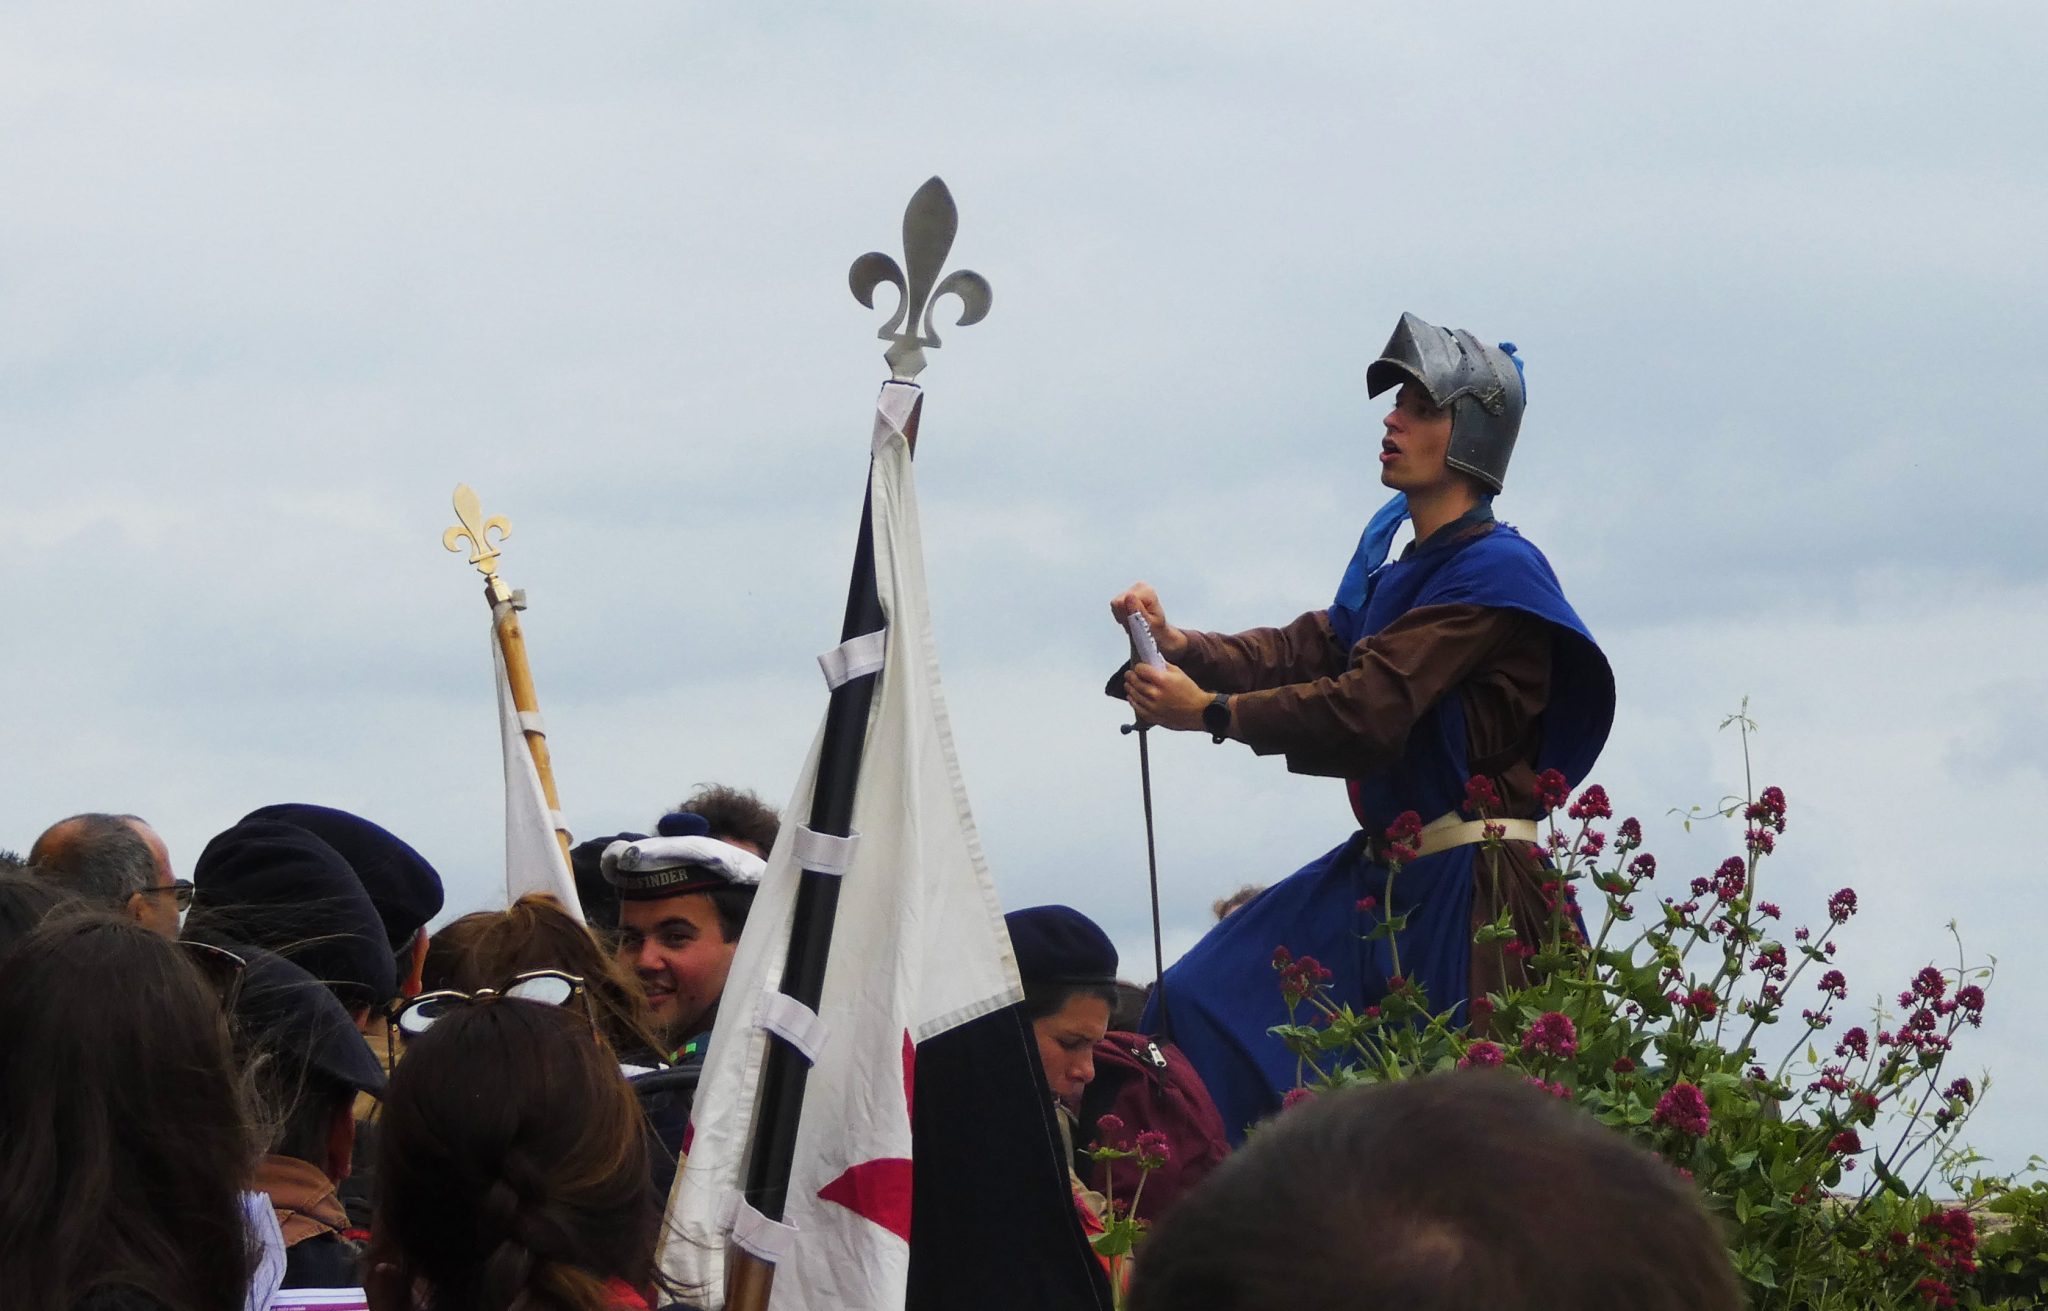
(671, 867)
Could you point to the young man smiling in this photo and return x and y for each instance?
(683, 900)
(1462, 659)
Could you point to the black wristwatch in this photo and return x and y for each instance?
(1216, 717)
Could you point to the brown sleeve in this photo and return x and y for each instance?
(1357, 723)
(1263, 657)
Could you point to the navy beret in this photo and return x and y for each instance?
(683, 824)
(285, 1010)
(275, 885)
(1058, 944)
(403, 887)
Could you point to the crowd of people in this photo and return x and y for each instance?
(273, 1077)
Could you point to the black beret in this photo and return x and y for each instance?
(275, 885)
(403, 887)
(1058, 944)
(285, 1010)
(600, 899)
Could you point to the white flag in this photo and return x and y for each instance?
(533, 855)
(918, 947)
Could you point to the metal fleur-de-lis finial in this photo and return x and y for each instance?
(928, 227)
(472, 525)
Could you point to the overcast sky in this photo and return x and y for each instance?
(273, 279)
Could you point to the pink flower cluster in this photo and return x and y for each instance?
(1553, 1034)
(1683, 1108)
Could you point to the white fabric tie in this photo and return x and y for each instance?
(531, 721)
(794, 1023)
(758, 1236)
(823, 853)
(856, 657)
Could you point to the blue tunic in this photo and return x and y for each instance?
(1223, 996)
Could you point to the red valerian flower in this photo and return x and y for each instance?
(1300, 980)
(1481, 1009)
(1961, 1090)
(1486, 1055)
(1281, 956)
(1768, 810)
(1556, 1090)
(1767, 909)
(1845, 1142)
(1553, 1034)
(1153, 1150)
(1623, 1065)
(1295, 1097)
(1835, 985)
(1684, 1109)
(1551, 789)
(1855, 1040)
(1970, 997)
(1731, 878)
(1399, 845)
(1930, 983)
(1643, 867)
(1592, 844)
(1368, 904)
(1842, 905)
(1760, 841)
(1629, 835)
(1592, 804)
(1480, 796)
(1109, 1132)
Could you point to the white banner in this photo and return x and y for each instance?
(919, 946)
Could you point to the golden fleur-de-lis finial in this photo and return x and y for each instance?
(472, 525)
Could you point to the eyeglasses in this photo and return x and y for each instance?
(222, 968)
(179, 888)
(548, 987)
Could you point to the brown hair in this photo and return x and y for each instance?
(486, 949)
(1455, 1192)
(735, 813)
(512, 1165)
(123, 1140)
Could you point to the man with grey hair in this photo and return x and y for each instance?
(116, 861)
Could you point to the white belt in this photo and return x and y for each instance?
(1447, 831)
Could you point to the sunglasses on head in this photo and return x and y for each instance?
(548, 987)
(222, 968)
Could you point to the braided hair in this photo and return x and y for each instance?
(512, 1167)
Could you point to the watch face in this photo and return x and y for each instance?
(1216, 716)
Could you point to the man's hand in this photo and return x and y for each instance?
(1166, 697)
(1139, 598)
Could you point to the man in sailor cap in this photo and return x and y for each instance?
(683, 899)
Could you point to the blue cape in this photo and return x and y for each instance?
(1223, 995)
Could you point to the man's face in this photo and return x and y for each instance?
(1066, 1045)
(1417, 437)
(676, 948)
(157, 911)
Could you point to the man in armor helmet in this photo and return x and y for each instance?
(1460, 659)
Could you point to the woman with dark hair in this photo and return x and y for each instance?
(485, 949)
(512, 1168)
(26, 900)
(124, 1148)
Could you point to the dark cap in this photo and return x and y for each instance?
(283, 1009)
(600, 899)
(403, 887)
(275, 885)
(1058, 944)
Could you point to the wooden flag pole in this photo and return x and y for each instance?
(505, 607)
